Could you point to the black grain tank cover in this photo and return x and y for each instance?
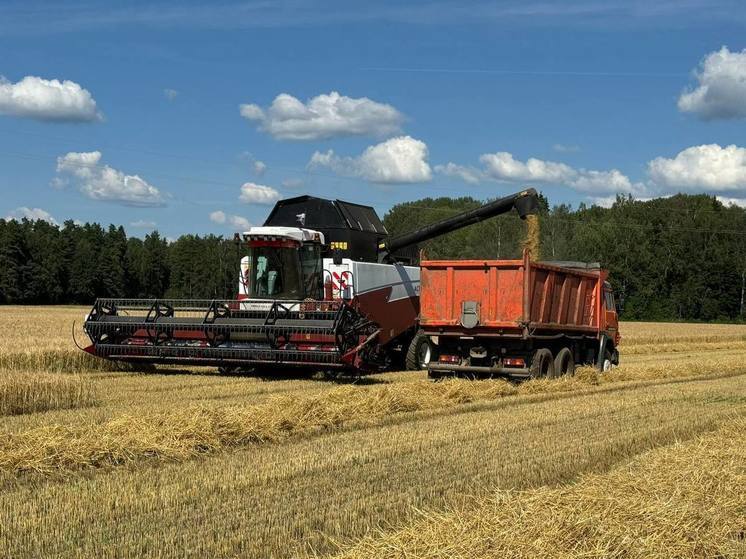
(352, 229)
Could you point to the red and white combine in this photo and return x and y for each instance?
(321, 286)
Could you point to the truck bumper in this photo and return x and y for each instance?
(437, 369)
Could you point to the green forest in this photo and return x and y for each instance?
(677, 258)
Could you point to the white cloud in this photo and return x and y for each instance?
(604, 181)
(259, 168)
(398, 160)
(566, 148)
(235, 221)
(253, 193)
(721, 92)
(142, 224)
(740, 202)
(325, 116)
(239, 222)
(58, 183)
(466, 174)
(47, 100)
(32, 214)
(101, 182)
(603, 201)
(708, 167)
(292, 183)
(503, 166)
(170, 94)
(217, 217)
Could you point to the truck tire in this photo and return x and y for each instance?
(564, 363)
(542, 364)
(421, 351)
(607, 365)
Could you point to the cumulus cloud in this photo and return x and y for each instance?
(466, 174)
(101, 182)
(142, 224)
(721, 92)
(503, 166)
(292, 183)
(217, 217)
(47, 100)
(603, 201)
(740, 202)
(253, 193)
(325, 116)
(259, 168)
(32, 214)
(709, 167)
(236, 221)
(566, 148)
(398, 160)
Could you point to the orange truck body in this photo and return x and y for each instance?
(530, 304)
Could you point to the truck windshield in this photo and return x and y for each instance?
(291, 273)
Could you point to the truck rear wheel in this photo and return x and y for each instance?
(564, 363)
(542, 364)
(421, 351)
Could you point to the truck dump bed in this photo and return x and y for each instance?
(510, 298)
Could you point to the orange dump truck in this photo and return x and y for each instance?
(517, 318)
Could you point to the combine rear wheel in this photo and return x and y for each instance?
(421, 351)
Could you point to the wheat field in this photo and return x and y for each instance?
(102, 460)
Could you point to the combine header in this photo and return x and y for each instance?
(321, 286)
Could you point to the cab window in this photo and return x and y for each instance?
(609, 297)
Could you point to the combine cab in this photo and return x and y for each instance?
(320, 287)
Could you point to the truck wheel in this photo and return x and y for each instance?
(564, 363)
(421, 351)
(607, 365)
(542, 364)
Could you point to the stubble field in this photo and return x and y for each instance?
(98, 460)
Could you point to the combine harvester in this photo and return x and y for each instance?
(321, 287)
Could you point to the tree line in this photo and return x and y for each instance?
(41, 263)
(677, 258)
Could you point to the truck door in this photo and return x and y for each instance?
(610, 314)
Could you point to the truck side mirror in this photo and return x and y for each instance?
(620, 304)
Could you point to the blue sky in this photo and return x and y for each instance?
(580, 99)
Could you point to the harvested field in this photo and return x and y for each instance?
(683, 500)
(185, 462)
